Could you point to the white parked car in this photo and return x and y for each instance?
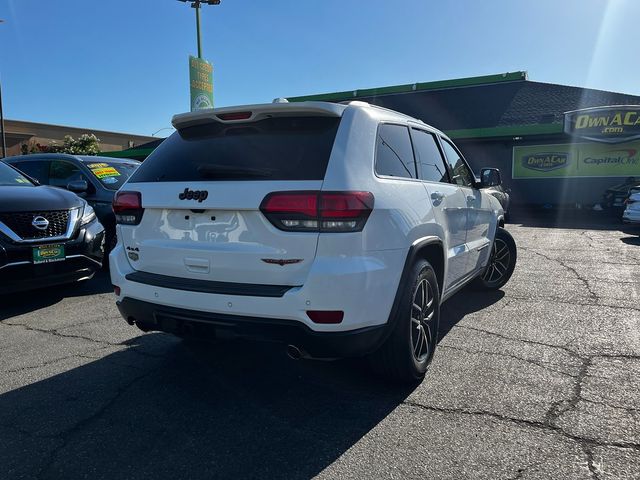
(631, 212)
(336, 229)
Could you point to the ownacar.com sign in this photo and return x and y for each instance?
(576, 160)
(604, 124)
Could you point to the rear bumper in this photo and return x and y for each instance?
(363, 287)
(631, 216)
(317, 344)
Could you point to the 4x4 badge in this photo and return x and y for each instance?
(198, 195)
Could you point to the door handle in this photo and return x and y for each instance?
(437, 196)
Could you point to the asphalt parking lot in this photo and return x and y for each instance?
(540, 380)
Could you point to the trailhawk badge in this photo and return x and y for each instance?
(281, 261)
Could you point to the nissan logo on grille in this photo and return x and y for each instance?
(40, 222)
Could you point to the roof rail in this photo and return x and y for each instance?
(360, 103)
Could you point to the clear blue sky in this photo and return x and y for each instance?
(123, 64)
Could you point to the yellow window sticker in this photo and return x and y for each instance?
(105, 172)
(97, 165)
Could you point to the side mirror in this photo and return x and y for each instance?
(490, 177)
(78, 186)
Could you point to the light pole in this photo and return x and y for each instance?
(4, 140)
(196, 4)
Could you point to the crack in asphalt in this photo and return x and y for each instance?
(561, 407)
(42, 364)
(584, 281)
(523, 422)
(55, 332)
(545, 365)
(522, 340)
(600, 303)
(564, 347)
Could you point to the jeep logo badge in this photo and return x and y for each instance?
(40, 222)
(198, 195)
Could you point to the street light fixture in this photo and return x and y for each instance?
(163, 128)
(196, 4)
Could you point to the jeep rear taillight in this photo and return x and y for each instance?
(313, 211)
(128, 208)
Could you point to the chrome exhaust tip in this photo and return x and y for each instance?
(294, 352)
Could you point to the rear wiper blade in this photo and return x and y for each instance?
(213, 171)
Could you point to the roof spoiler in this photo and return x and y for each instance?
(252, 113)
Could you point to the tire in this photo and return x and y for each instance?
(113, 241)
(110, 244)
(502, 262)
(407, 353)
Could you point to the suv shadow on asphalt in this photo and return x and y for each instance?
(14, 304)
(630, 240)
(162, 409)
(466, 301)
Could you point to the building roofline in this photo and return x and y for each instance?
(86, 129)
(506, 131)
(413, 87)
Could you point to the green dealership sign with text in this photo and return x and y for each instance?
(576, 160)
(201, 82)
(614, 124)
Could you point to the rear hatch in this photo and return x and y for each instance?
(202, 188)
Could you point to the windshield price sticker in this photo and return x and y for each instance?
(105, 172)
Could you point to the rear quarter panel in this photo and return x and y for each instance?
(402, 211)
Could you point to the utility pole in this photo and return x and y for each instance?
(4, 140)
(197, 7)
(196, 4)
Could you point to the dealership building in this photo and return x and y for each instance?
(550, 143)
(24, 136)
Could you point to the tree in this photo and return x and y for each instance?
(86, 144)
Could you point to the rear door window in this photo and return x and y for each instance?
(62, 172)
(462, 174)
(394, 154)
(281, 148)
(432, 167)
(35, 169)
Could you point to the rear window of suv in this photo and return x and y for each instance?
(281, 148)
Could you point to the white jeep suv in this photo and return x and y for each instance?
(336, 229)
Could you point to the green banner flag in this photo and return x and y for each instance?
(577, 160)
(201, 81)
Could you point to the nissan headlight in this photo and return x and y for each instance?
(88, 215)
